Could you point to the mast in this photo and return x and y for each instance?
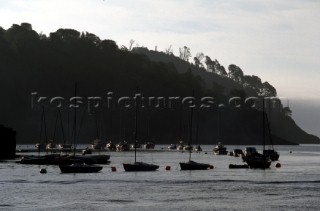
(219, 128)
(190, 138)
(75, 120)
(136, 128)
(197, 129)
(263, 125)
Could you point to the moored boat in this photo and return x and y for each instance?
(192, 165)
(111, 146)
(140, 166)
(220, 149)
(80, 168)
(123, 146)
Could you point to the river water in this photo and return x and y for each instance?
(294, 186)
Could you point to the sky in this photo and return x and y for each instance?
(279, 41)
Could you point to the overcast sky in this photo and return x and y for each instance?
(279, 41)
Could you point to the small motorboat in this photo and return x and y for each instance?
(51, 146)
(87, 151)
(98, 144)
(149, 145)
(220, 149)
(40, 146)
(123, 146)
(198, 148)
(188, 148)
(237, 152)
(111, 146)
(172, 146)
(180, 146)
(65, 147)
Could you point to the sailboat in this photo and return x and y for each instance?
(219, 149)
(270, 152)
(78, 166)
(192, 165)
(257, 160)
(138, 166)
(198, 148)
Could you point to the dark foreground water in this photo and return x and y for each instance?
(294, 186)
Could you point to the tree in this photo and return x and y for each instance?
(184, 53)
(219, 69)
(253, 82)
(130, 46)
(209, 64)
(268, 90)
(169, 50)
(235, 73)
(198, 59)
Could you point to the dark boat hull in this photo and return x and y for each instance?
(234, 166)
(139, 166)
(194, 166)
(80, 169)
(258, 161)
(273, 155)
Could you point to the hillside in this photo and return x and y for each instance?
(33, 65)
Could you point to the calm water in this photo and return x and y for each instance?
(294, 186)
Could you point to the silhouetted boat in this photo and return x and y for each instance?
(237, 152)
(78, 167)
(51, 146)
(65, 147)
(98, 144)
(236, 166)
(123, 146)
(138, 166)
(111, 146)
(87, 151)
(220, 149)
(188, 148)
(149, 145)
(180, 146)
(248, 151)
(192, 165)
(172, 146)
(270, 152)
(257, 160)
(198, 148)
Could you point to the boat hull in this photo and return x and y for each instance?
(139, 166)
(194, 166)
(80, 169)
(258, 161)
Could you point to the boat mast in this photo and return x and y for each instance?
(75, 120)
(263, 125)
(136, 128)
(190, 138)
(197, 128)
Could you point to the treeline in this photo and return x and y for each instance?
(49, 65)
